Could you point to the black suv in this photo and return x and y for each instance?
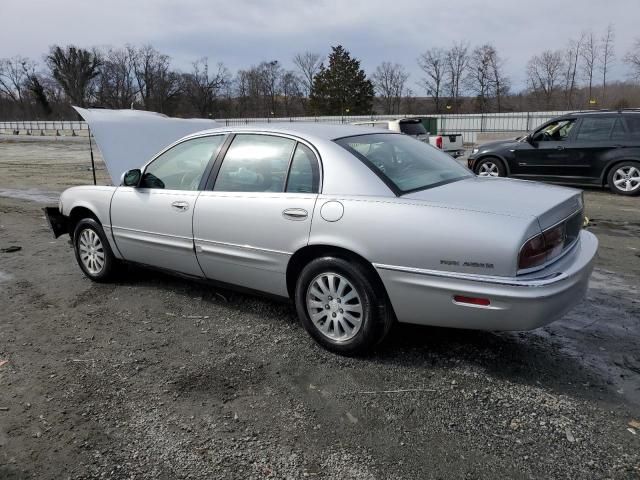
(583, 148)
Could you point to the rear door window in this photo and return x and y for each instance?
(255, 163)
(595, 129)
(304, 175)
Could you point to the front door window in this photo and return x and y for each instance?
(181, 167)
(555, 131)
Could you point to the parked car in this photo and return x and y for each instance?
(409, 126)
(453, 144)
(359, 227)
(584, 148)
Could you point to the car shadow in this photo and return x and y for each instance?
(530, 358)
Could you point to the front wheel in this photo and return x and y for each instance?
(624, 178)
(341, 307)
(93, 253)
(490, 167)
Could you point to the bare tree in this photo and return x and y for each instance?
(308, 64)
(608, 55)
(457, 62)
(572, 55)
(480, 79)
(499, 80)
(590, 54)
(433, 63)
(270, 73)
(117, 83)
(13, 77)
(290, 92)
(202, 87)
(544, 73)
(75, 70)
(158, 85)
(409, 101)
(389, 81)
(39, 92)
(632, 58)
(259, 88)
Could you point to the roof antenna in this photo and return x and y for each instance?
(93, 164)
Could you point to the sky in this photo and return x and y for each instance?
(241, 33)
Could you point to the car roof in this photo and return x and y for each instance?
(308, 130)
(602, 112)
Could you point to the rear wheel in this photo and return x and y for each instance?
(341, 307)
(624, 178)
(93, 253)
(490, 167)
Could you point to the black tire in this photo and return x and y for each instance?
(110, 264)
(376, 318)
(485, 162)
(615, 172)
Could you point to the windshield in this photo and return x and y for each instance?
(413, 128)
(404, 163)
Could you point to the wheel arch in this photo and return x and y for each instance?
(607, 170)
(310, 252)
(77, 213)
(82, 210)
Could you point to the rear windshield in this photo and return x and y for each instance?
(413, 128)
(404, 163)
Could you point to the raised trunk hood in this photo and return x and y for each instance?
(548, 203)
(129, 138)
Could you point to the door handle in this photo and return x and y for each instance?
(295, 214)
(181, 206)
(559, 147)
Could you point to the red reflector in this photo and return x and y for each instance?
(471, 300)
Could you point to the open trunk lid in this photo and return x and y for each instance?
(129, 138)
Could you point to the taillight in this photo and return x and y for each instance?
(439, 142)
(542, 248)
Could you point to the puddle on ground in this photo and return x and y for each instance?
(602, 332)
(5, 277)
(31, 194)
(620, 229)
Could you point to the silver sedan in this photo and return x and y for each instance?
(360, 228)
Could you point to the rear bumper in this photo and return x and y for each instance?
(521, 303)
(58, 223)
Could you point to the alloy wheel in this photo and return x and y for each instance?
(488, 169)
(334, 306)
(91, 251)
(627, 178)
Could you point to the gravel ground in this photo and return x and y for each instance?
(158, 377)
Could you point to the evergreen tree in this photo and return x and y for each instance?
(341, 87)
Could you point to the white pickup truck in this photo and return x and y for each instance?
(408, 126)
(451, 144)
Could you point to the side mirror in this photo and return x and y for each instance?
(531, 138)
(131, 178)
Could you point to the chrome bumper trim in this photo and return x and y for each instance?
(510, 281)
